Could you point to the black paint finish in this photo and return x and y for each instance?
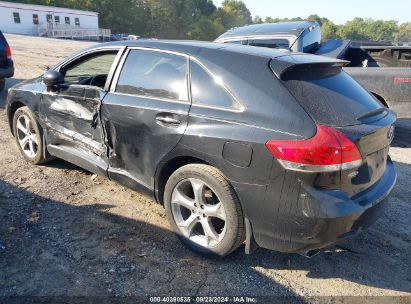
(140, 140)
(238, 154)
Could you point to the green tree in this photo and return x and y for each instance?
(233, 13)
(257, 20)
(381, 30)
(404, 33)
(329, 30)
(275, 20)
(353, 29)
(320, 20)
(205, 29)
(369, 29)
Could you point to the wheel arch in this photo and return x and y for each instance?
(14, 106)
(168, 167)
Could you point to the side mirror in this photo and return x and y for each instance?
(52, 78)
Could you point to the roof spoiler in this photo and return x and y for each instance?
(283, 64)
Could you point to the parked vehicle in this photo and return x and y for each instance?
(133, 37)
(280, 150)
(119, 37)
(6, 62)
(382, 69)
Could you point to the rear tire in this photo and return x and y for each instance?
(29, 137)
(204, 210)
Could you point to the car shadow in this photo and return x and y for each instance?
(3, 94)
(65, 165)
(50, 248)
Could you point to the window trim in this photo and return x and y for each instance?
(36, 18)
(116, 77)
(120, 52)
(223, 86)
(16, 15)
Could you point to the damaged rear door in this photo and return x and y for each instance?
(145, 114)
(72, 110)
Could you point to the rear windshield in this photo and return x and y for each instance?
(330, 96)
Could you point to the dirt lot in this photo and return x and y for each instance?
(65, 233)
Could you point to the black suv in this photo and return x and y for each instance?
(6, 62)
(280, 150)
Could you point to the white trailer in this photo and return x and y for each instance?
(55, 22)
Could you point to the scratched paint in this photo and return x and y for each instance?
(72, 108)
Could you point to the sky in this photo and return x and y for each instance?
(339, 11)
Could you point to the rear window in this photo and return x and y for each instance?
(241, 42)
(154, 74)
(330, 96)
(270, 43)
(208, 90)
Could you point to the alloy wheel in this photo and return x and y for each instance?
(27, 137)
(198, 212)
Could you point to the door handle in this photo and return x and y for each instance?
(167, 121)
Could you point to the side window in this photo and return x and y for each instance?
(16, 17)
(238, 42)
(35, 19)
(207, 90)
(91, 70)
(270, 43)
(154, 74)
(67, 19)
(312, 40)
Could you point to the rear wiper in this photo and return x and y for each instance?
(372, 113)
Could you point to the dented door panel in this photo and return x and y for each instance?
(71, 116)
(137, 139)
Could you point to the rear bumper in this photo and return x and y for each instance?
(315, 219)
(6, 72)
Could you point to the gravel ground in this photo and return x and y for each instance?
(65, 232)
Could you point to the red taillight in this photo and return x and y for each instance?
(8, 52)
(328, 150)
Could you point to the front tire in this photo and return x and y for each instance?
(29, 136)
(204, 210)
